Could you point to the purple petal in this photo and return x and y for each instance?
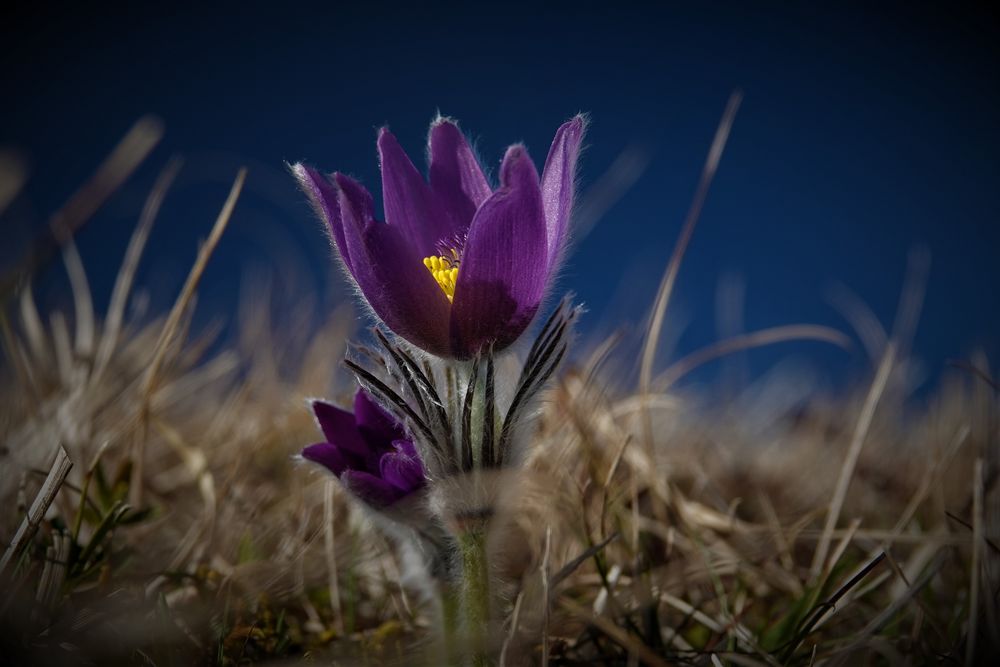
(558, 179)
(375, 491)
(406, 448)
(328, 456)
(356, 212)
(402, 471)
(503, 271)
(390, 274)
(324, 199)
(410, 206)
(455, 174)
(377, 426)
(339, 428)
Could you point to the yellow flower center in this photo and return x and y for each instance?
(445, 272)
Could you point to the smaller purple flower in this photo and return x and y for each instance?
(368, 451)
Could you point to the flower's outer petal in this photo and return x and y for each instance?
(456, 177)
(339, 428)
(323, 195)
(502, 276)
(328, 456)
(558, 180)
(391, 276)
(406, 448)
(401, 470)
(356, 213)
(376, 425)
(373, 490)
(410, 206)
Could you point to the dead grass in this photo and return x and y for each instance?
(840, 530)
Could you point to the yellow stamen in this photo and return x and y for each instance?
(445, 272)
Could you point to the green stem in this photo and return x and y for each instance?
(476, 592)
(451, 618)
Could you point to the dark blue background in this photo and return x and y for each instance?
(862, 135)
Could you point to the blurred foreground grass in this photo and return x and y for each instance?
(156, 516)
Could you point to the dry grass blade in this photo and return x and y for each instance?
(126, 274)
(13, 174)
(57, 475)
(170, 330)
(34, 331)
(974, 567)
(330, 551)
(51, 581)
(45, 580)
(616, 461)
(851, 460)
(127, 155)
(191, 284)
(85, 489)
(845, 541)
(823, 610)
(15, 354)
(937, 540)
(740, 659)
(130, 152)
(599, 356)
(770, 336)
(197, 467)
(515, 619)
(911, 299)
(83, 302)
(978, 372)
(571, 566)
(616, 634)
(861, 318)
(674, 265)
(609, 188)
(844, 656)
(932, 477)
(778, 535)
(741, 635)
(829, 608)
(546, 595)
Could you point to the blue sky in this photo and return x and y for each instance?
(862, 135)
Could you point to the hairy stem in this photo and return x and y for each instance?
(476, 591)
(451, 621)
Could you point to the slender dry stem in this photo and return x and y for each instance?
(53, 481)
(170, 330)
(851, 460)
(673, 266)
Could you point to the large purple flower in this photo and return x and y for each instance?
(367, 450)
(457, 265)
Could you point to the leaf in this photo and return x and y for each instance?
(108, 523)
(246, 551)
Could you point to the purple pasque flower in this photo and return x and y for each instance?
(367, 450)
(457, 265)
